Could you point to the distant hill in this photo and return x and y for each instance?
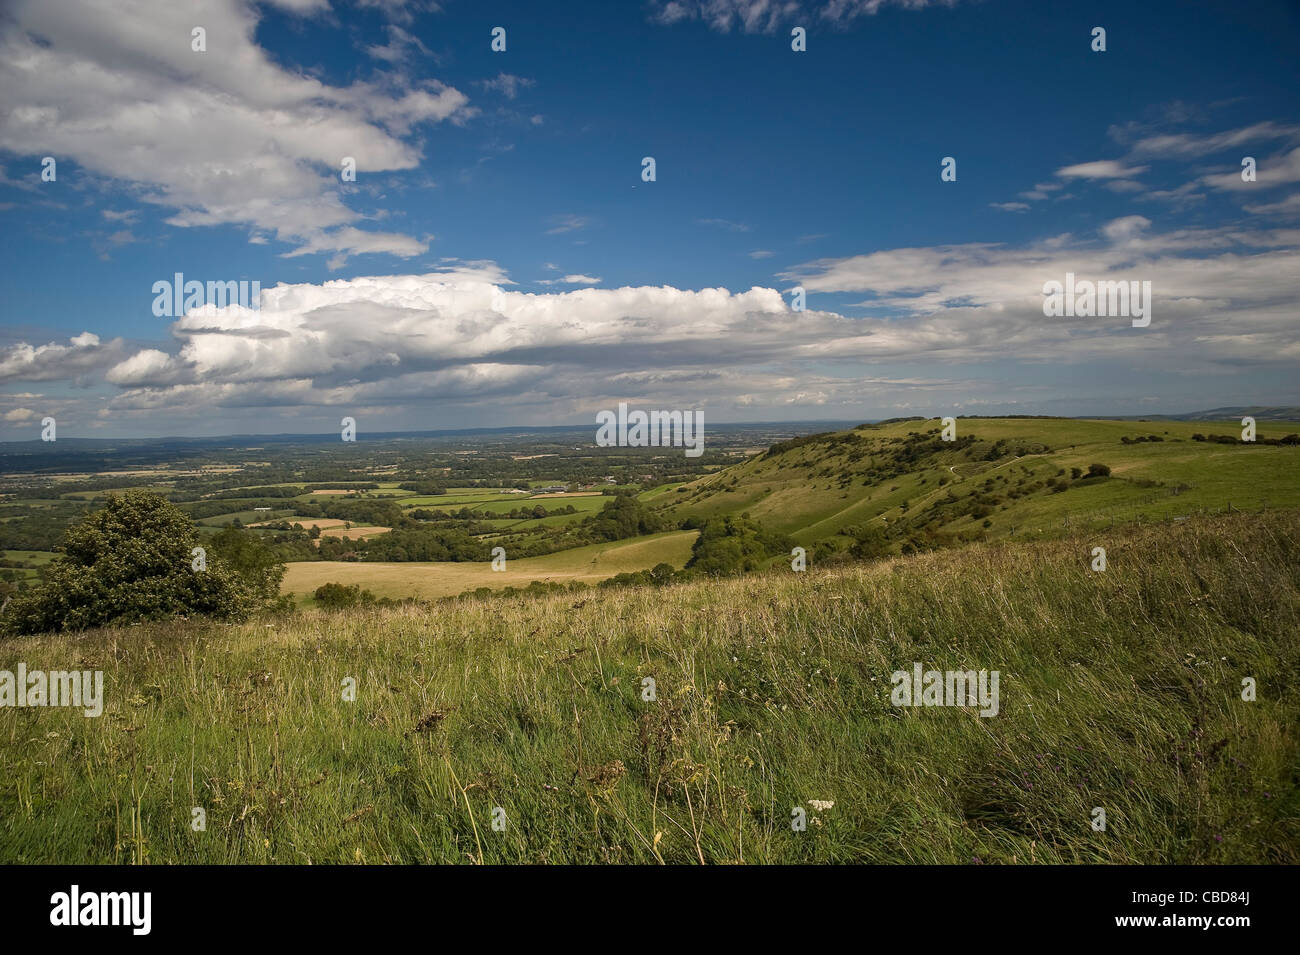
(1001, 477)
(1258, 412)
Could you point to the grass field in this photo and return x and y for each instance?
(34, 558)
(31, 556)
(444, 579)
(1119, 690)
(248, 517)
(583, 505)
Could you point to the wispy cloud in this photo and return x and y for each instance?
(724, 224)
(507, 84)
(765, 16)
(1100, 169)
(568, 223)
(576, 279)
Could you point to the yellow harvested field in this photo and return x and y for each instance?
(444, 579)
(353, 533)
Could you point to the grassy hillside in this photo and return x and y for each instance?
(1119, 690)
(1002, 477)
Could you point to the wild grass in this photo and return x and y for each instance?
(1119, 690)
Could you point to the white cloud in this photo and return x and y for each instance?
(222, 137)
(83, 353)
(507, 84)
(1282, 171)
(757, 16)
(353, 241)
(301, 7)
(1100, 169)
(1041, 191)
(1223, 297)
(724, 224)
(1121, 230)
(401, 46)
(568, 223)
(1290, 206)
(1192, 146)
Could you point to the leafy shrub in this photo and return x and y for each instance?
(870, 544)
(333, 596)
(732, 545)
(133, 560)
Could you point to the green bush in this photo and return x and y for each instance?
(871, 544)
(732, 545)
(135, 560)
(334, 596)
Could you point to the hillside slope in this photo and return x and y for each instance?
(1119, 690)
(1001, 477)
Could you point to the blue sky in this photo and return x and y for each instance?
(500, 260)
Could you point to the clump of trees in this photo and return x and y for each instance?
(135, 559)
(870, 543)
(733, 545)
(623, 516)
(1230, 439)
(333, 596)
(658, 576)
(420, 544)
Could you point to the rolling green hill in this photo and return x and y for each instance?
(1000, 477)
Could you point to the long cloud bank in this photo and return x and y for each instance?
(1222, 299)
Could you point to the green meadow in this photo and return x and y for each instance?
(1120, 691)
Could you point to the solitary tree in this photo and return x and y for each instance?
(136, 559)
